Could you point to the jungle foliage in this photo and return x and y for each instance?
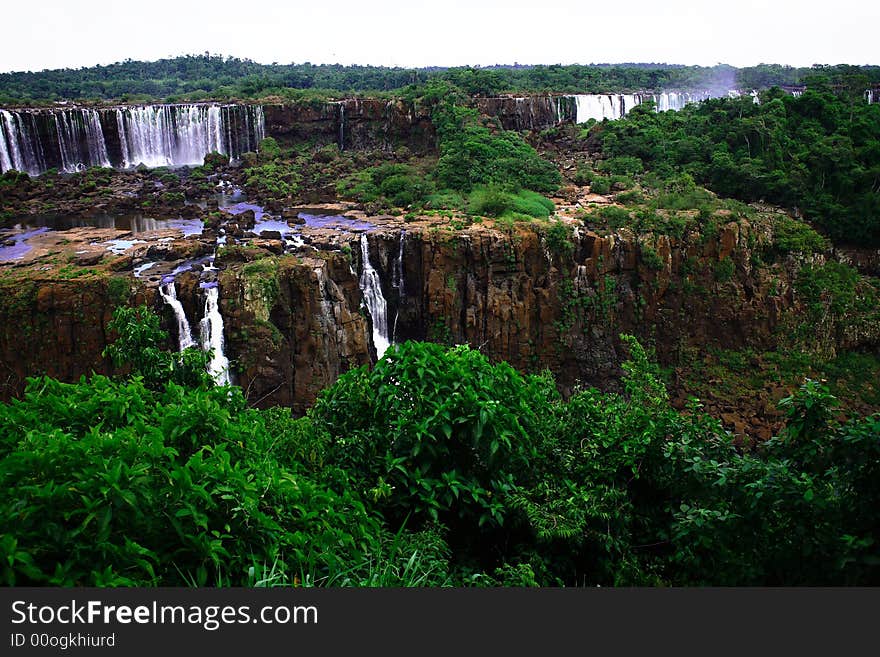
(819, 153)
(435, 467)
(211, 76)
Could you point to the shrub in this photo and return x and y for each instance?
(398, 185)
(269, 149)
(724, 270)
(559, 238)
(437, 433)
(272, 180)
(792, 236)
(600, 185)
(495, 201)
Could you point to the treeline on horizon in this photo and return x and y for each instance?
(196, 77)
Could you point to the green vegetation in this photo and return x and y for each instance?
(436, 467)
(471, 155)
(273, 180)
(479, 171)
(388, 185)
(495, 201)
(836, 292)
(819, 152)
(207, 76)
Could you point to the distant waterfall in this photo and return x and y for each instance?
(615, 106)
(184, 333)
(371, 287)
(211, 329)
(73, 139)
(342, 125)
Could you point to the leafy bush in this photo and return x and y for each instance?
(622, 166)
(724, 270)
(109, 484)
(397, 185)
(139, 346)
(269, 149)
(791, 236)
(600, 185)
(272, 180)
(496, 201)
(436, 433)
(559, 238)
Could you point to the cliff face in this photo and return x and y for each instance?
(519, 302)
(529, 112)
(293, 324)
(352, 124)
(55, 327)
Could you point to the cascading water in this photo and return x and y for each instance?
(81, 141)
(184, 333)
(211, 329)
(615, 106)
(371, 287)
(598, 107)
(165, 135)
(397, 281)
(72, 139)
(342, 126)
(20, 146)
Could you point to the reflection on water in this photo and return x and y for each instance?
(132, 222)
(335, 222)
(13, 247)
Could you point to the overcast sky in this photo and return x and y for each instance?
(75, 33)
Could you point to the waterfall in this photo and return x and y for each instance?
(615, 106)
(594, 106)
(81, 141)
(211, 329)
(73, 139)
(397, 281)
(169, 135)
(371, 287)
(21, 147)
(342, 125)
(169, 294)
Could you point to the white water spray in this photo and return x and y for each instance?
(371, 287)
(211, 329)
(184, 333)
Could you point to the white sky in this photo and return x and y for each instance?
(76, 33)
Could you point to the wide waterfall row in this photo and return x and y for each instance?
(614, 106)
(73, 139)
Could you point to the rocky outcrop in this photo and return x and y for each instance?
(509, 295)
(292, 326)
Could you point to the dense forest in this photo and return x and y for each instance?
(434, 468)
(818, 153)
(204, 76)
